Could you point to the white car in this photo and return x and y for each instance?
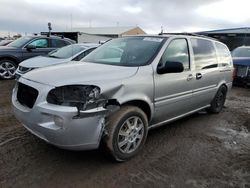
(74, 52)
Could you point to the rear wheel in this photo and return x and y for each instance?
(126, 132)
(7, 69)
(218, 101)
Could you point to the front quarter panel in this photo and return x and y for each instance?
(139, 87)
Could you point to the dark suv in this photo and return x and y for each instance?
(24, 48)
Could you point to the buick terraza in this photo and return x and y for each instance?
(123, 89)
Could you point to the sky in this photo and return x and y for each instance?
(32, 16)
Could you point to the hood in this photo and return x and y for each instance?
(76, 72)
(42, 61)
(7, 48)
(241, 61)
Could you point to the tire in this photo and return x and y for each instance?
(7, 69)
(124, 138)
(218, 101)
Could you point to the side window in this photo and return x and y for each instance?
(57, 43)
(40, 43)
(204, 54)
(83, 54)
(177, 51)
(224, 55)
(88, 51)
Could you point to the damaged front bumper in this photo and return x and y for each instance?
(60, 125)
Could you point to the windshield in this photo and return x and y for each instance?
(128, 51)
(67, 51)
(4, 42)
(18, 43)
(241, 52)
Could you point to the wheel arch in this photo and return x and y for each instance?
(12, 58)
(222, 84)
(143, 105)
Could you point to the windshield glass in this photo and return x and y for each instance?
(18, 43)
(128, 51)
(241, 52)
(67, 51)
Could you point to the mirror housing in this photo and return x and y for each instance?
(170, 67)
(30, 47)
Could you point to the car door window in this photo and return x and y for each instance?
(204, 54)
(40, 43)
(56, 43)
(83, 54)
(177, 51)
(224, 55)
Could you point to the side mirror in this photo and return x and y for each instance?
(30, 47)
(170, 67)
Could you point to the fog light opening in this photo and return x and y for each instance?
(59, 121)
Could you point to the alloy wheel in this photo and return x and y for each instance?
(7, 70)
(130, 134)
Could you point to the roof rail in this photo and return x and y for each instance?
(188, 34)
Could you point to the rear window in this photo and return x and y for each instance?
(224, 55)
(204, 54)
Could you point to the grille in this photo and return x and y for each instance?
(241, 71)
(26, 95)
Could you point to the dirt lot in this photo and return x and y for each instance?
(199, 151)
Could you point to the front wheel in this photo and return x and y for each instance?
(7, 69)
(126, 132)
(218, 101)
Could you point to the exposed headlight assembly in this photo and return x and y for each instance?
(84, 97)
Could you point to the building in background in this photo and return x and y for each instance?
(233, 37)
(97, 34)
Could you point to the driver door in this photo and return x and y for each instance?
(41, 48)
(173, 91)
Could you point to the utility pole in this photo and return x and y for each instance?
(50, 28)
(161, 29)
(71, 21)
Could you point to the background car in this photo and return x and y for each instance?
(5, 42)
(241, 61)
(25, 48)
(74, 52)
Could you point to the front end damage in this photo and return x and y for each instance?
(70, 117)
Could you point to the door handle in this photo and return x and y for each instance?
(198, 76)
(190, 77)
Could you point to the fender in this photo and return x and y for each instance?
(10, 57)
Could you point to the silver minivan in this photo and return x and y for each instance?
(123, 89)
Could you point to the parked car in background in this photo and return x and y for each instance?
(5, 42)
(25, 48)
(241, 61)
(124, 88)
(73, 52)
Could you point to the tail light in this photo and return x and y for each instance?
(233, 73)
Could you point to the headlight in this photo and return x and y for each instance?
(81, 96)
(24, 69)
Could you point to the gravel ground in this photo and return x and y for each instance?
(202, 150)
